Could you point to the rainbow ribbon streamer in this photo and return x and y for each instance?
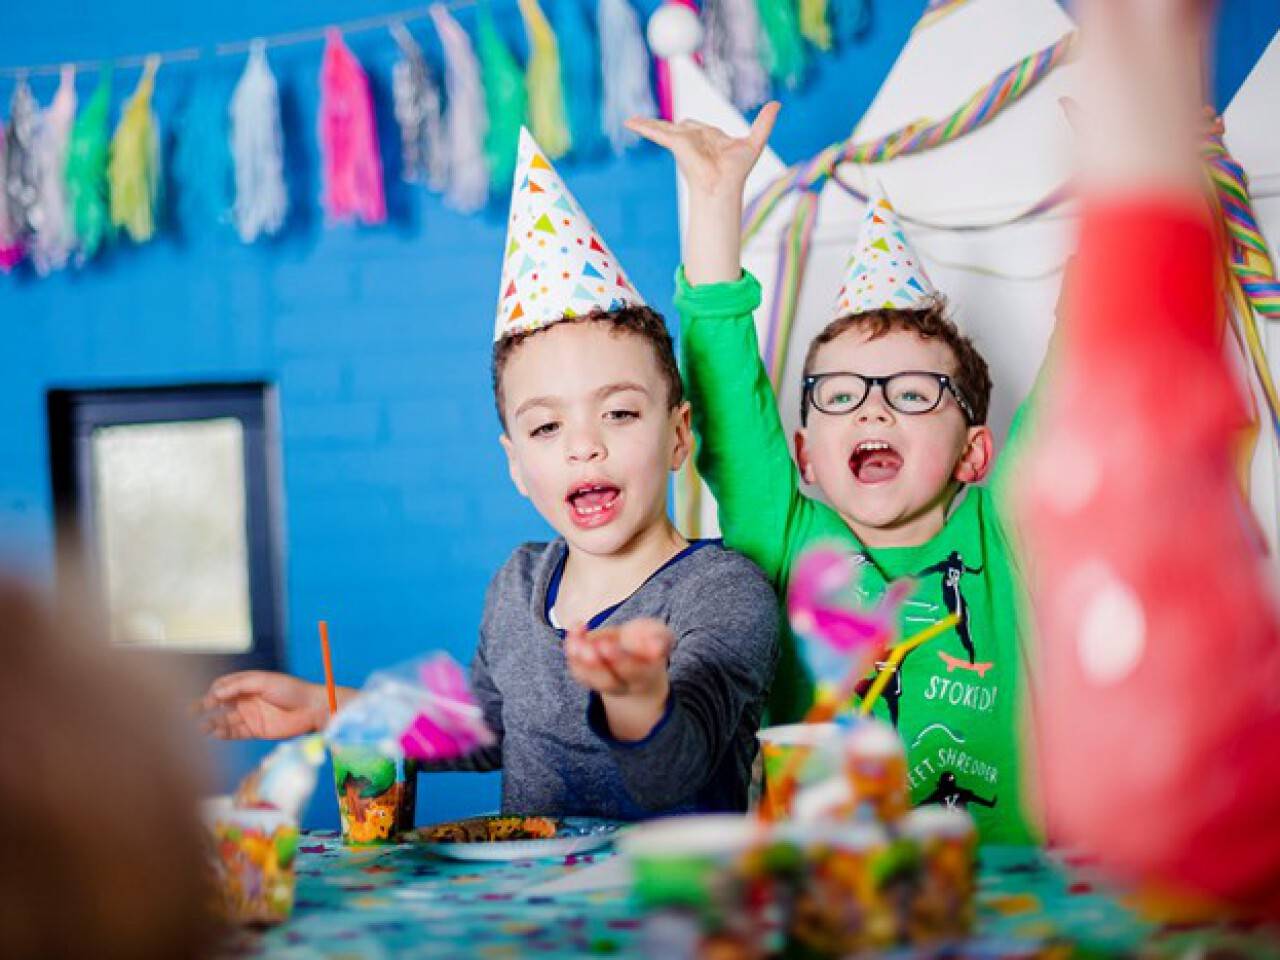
(809, 177)
(916, 137)
(935, 11)
(983, 106)
(788, 281)
(1252, 271)
(1053, 199)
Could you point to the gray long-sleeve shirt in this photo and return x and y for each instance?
(554, 745)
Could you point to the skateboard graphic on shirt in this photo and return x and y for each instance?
(955, 663)
(952, 569)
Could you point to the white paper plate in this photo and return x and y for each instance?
(574, 835)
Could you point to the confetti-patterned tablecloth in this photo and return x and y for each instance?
(400, 902)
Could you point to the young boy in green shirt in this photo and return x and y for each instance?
(893, 435)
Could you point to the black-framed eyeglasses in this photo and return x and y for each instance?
(911, 392)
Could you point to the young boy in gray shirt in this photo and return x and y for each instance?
(623, 669)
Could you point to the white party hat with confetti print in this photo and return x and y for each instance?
(556, 266)
(883, 272)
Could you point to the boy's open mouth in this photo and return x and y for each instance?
(592, 504)
(874, 461)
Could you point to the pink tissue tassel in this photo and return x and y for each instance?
(348, 139)
(1159, 631)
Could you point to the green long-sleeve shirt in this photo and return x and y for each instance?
(956, 700)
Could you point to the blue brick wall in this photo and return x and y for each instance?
(397, 503)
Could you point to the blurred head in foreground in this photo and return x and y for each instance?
(102, 845)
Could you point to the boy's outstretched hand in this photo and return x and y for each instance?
(261, 705)
(627, 666)
(715, 167)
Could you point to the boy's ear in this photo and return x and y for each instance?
(979, 452)
(682, 422)
(802, 455)
(513, 467)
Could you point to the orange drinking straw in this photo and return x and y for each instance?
(328, 668)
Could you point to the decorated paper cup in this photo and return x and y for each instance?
(876, 765)
(376, 794)
(713, 885)
(845, 901)
(681, 860)
(947, 841)
(252, 858)
(817, 744)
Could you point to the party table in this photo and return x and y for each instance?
(401, 902)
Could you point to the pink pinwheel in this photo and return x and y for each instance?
(421, 710)
(841, 636)
(451, 723)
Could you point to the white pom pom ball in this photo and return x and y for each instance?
(674, 31)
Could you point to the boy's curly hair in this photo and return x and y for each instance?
(928, 321)
(638, 321)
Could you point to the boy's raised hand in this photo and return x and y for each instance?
(713, 163)
(261, 705)
(715, 167)
(627, 666)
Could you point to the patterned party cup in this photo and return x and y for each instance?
(947, 839)
(376, 794)
(252, 857)
(847, 896)
(713, 885)
(818, 746)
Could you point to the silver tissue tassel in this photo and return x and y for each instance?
(22, 183)
(417, 105)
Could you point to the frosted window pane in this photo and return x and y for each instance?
(171, 533)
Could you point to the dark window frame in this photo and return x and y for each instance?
(73, 415)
